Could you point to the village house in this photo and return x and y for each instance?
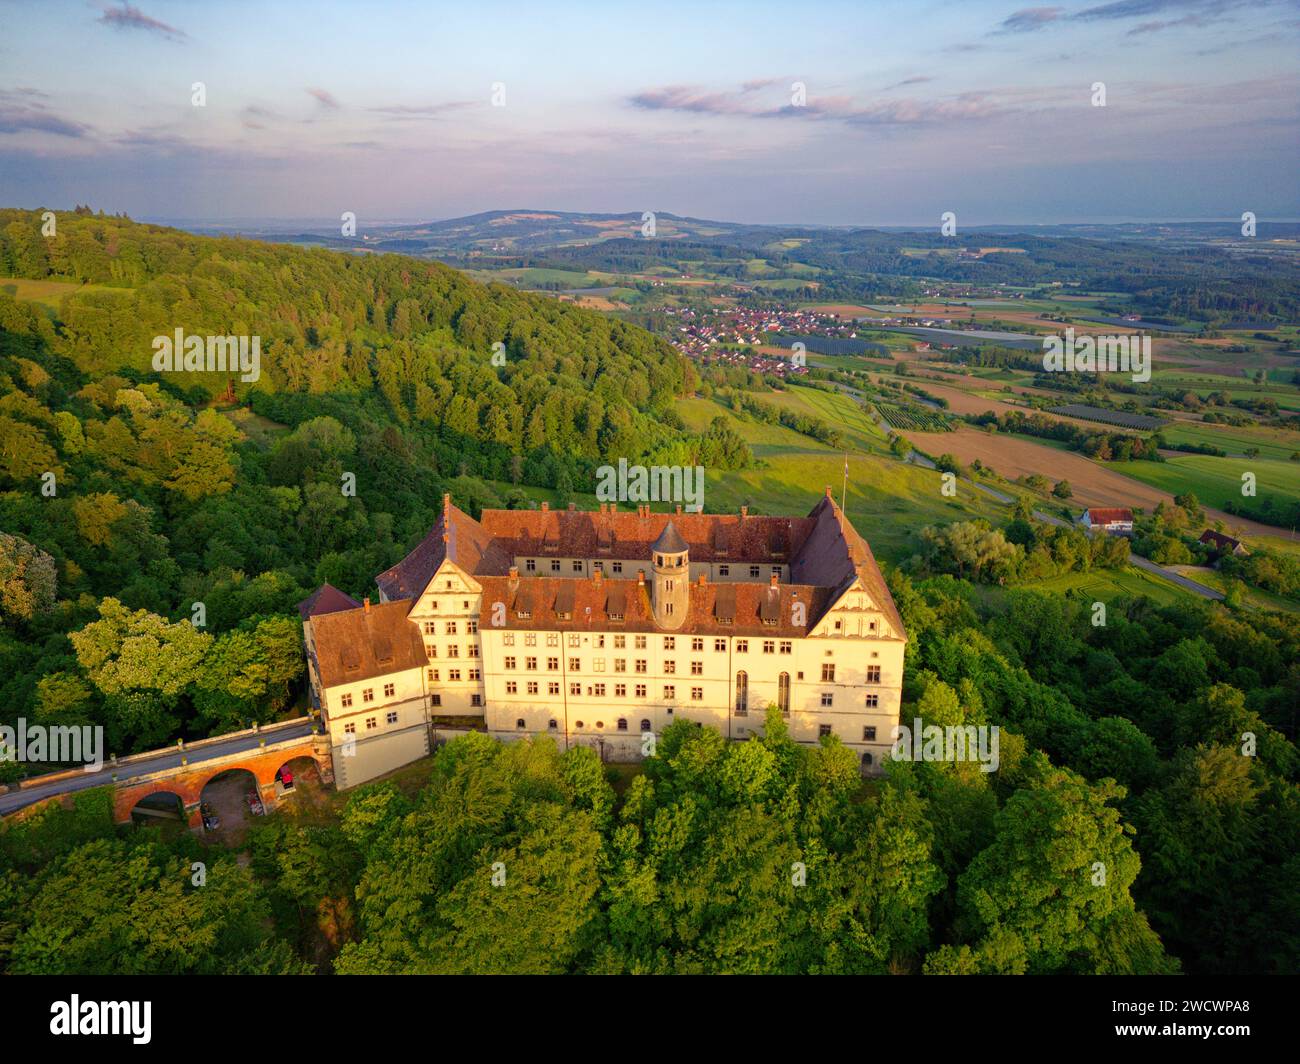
(1115, 521)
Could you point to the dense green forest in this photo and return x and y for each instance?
(1124, 832)
(126, 496)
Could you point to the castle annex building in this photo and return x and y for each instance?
(597, 627)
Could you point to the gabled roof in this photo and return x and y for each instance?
(326, 599)
(360, 644)
(1219, 540)
(670, 541)
(1108, 515)
(456, 536)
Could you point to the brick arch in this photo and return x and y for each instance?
(189, 781)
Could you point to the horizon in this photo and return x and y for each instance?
(880, 114)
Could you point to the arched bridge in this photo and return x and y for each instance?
(185, 770)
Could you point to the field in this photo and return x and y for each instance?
(1105, 585)
(888, 501)
(1271, 443)
(1217, 481)
(1121, 418)
(49, 293)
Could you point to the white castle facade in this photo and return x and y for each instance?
(598, 627)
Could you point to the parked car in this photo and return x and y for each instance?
(285, 778)
(255, 804)
(210, 819)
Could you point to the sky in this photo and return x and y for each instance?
(799, 111)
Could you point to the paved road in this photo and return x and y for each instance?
(1177, 578)
(163, 759)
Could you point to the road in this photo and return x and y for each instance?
(157, 762)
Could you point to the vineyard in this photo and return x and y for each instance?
(913, 418)
(1121, 418)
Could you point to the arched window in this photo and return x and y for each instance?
(553, 725)
(519, 723)
(783, 692)
(645, 725)
(622, 723)
(742, 693)
(867, 759)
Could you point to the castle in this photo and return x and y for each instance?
(598, 627)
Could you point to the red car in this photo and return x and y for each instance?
(255, 803)
(286, 779)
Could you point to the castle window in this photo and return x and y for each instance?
(697, 694)
(552, 664)
(552, 724)
(389, 690)
(532, 687)
(453, 650)
(769, 646)
(510, 663)
(620, 664)
(530, 664)
(530, 639)
(519, 723)
(575, 640)
(869, 734)
(476, 700)
(742, 646)
(828, 698)
(622, 723)
(783, 692)
(555, 565)
(823, 730)
(697, 668)
(668, 609)
(724, 570)
(640, 642)
(867, 759)
(697, 644)
(347, 701)
(620, 641)
(392, 716)
(753, 572)
(640, 690)
(512, 688)
(670, 667)
(433, 675)
(670, 643)
(508, 639)
(598, 690)
(618, 567)
(434, 604)
(451, 627)
(828, 673)
(575, 689)
(873, 674)
(552, 639)
(475, 674)
(640, 664)
(577, 567)
(742, 693)
(873, 702)
(645, 724)
(368, 695)
(719, 646)
(437, 700)
(453, 675)
(349, 729)
(430, 628)
(552, 688)
(575, 664)
(372, 723)
(531, 565)
(471, 627)
(670, 693)
(620, 690)
(578, 725)
(786, 646)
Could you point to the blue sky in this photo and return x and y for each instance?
(912, 109)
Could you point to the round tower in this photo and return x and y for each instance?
(672, 578)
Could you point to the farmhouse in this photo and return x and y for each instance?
(598, 628)
(1220, 544)
(1113, 520)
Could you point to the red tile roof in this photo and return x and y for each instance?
(1109, 515)
(326, 599)
(455, 535)
(360, 644)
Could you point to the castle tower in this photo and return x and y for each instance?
(672, 578)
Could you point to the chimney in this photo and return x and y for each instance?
(776, 579)
(602, 508)
(367, 606)
(514, 572)
(703, 578)
(640, 578)
(597, 575)
(744, 512)
(546, 506)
